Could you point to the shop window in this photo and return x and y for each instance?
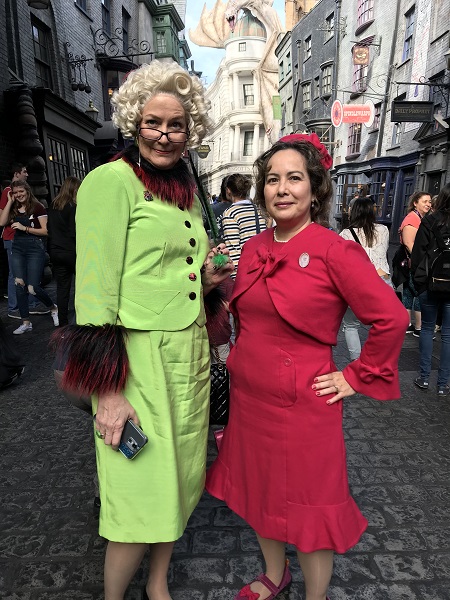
(59, 160)
(79, 162)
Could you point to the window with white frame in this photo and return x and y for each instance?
(359, 83)
(249, 98)
(288, 63)
(409, 33)
(326, 80)
(242, 46)
(306, 96)
(354, 139)
(364, 12)
(329, 31)
(161, 44)
(396, 134)
(42, 53)
(281, 71)
(308, 47)
(376, 119)
(248, 143)
(125, 31)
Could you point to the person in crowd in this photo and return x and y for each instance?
(28, 219)
(425, 246)
(282, 464)
(18, 172)
(242, 220)
(221, 206)
(374, 238)
(140, 346)
(419, 205)
(61, 243)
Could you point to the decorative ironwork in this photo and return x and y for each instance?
(340, 26)
(107, 46)
(77, 71)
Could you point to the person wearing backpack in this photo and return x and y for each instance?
(430, 265)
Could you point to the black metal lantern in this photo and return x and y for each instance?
(39, 3)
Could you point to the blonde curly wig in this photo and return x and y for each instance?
(161, 78)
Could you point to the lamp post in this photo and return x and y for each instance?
(91, 111)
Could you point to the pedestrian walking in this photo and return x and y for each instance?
(433, 235)
(143, 266)
(281, 464)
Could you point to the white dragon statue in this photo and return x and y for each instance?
(213, 30)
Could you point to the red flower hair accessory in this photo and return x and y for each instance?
(312, 138)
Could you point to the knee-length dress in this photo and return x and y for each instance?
(282, 462)
(138, 266)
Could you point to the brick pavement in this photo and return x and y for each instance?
(399, 469)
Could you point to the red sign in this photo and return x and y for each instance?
(352, 113)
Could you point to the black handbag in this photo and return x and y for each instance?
(220, 392)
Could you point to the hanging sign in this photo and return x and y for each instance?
(352, 113)
(412, 112)
(361, 55)
(203, 150)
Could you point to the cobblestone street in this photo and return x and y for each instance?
(399, 470)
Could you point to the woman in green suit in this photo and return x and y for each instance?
(140, 346)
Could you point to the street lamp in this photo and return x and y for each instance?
(91, 111)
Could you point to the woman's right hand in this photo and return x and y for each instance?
(113, 411)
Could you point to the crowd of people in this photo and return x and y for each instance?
(156, 302)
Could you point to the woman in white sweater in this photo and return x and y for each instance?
(374, 238)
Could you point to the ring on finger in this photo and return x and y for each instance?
(337, 389)
(99, 434)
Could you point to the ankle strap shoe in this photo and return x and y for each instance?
(248, 594)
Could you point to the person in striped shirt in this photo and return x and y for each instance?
(242, 220)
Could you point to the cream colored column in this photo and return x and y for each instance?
(255, 141)
(237, 143)
(235, 91)
(231, 143)
(256, 91)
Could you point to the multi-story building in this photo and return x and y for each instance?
(283, 53)
(238, 136)
(60, 62)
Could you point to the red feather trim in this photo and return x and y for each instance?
(97, 358)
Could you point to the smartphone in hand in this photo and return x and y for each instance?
(133, 440)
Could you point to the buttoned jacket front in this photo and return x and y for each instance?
(138, 257)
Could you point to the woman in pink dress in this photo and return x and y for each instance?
(282, 463)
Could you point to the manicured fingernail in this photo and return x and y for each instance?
(329, 402)
(316, 380)
(317, 393)
(313, 387)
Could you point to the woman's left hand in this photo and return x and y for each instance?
(332, 383)
(212, 275)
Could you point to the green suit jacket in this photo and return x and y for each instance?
(138, 260)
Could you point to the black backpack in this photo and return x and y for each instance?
(439, 265)
(400, 266)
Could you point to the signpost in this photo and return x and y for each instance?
(352, 113)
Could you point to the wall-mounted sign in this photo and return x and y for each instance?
(203, 150)
(361, 55)
(352, 113)
(412, 112)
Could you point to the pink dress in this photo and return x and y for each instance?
(282, 462)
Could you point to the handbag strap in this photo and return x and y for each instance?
(257, 225)
(356, 238)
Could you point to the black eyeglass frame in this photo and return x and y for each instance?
(166, 133)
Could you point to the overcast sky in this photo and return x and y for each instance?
(207, 60)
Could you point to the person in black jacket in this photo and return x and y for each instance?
(61, 243)
(424, 245)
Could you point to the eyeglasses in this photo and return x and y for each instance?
(176, 137)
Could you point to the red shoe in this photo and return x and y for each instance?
(247, 594)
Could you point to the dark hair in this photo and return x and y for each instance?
(363, 191)
(319, 177)
(415, 198)
(223, 189)
(443, 204)
(30, 202)
(67, 193)
(362, 216)
(16, 167)
(239, 185)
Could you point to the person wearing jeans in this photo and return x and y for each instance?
(429, 305)
(433, 233)
(28, 219)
